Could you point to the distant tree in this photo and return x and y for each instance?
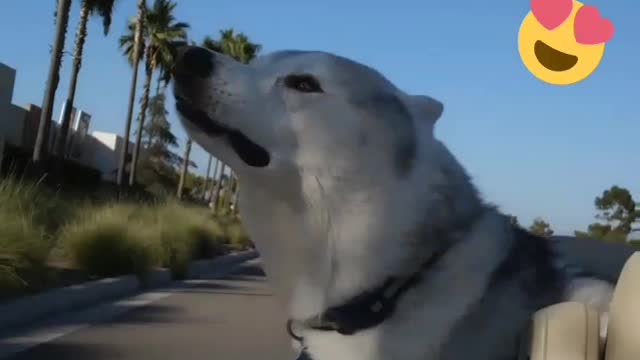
(541, 228)
(514, 220)
(618, 209)
(158, 129)
(619, 212)
(158, 165)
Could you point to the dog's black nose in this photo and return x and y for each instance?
(194, 61)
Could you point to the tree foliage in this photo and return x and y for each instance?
(541, 228)
(236, 45)
(618, 209)
(619, 212)
(158, 162)
(102, 9)
(161, 35)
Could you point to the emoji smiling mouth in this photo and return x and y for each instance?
(552, 59)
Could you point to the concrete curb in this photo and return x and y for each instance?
(51, 303)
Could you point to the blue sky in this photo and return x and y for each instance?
(532, 148)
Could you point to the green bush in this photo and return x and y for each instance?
(23, 251)
(24, 244)
(232, 232)
(237, 236)
(102, 238)
(111, 241)
(186, 234)
(43, 207)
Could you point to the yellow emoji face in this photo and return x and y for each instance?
(560, 42)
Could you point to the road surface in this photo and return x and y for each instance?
(232, 318)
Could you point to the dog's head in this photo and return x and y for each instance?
(309, 111)
(333, 154)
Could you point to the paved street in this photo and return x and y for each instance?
(232, 318)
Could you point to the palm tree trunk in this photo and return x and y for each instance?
(206, 178)
(137, 52)
(185, 168)
(228, 192)
(217, 188)
(158, 84)
(213, 180)
(81, 37)
(42, 139)
(234, 202)
(143, 112)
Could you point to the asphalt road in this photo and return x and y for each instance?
(232, 318)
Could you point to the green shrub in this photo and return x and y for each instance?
(44, 208)
(102, 238)
(232, 231)
(238, 237)
(186, 234)
(24, 245)
(23, 251)
(111, 241)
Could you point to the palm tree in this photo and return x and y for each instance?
(241, 49)
(135, 50)
(206, 177)
(238, 46)
(214, 178)
(211, 44)
(236, 195)
(42, 139)
(161, 33)
(185, 168)
(103, 9)
(218, 187)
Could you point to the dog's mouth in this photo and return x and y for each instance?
(251, 153)
(552, 59)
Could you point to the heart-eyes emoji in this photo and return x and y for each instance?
(562, 42)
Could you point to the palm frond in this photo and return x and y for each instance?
(103, 9)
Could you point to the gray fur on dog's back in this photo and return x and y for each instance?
(524, 281)
(590, 257)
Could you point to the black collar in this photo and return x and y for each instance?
(367, 309)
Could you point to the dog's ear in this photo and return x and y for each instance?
(425, 108)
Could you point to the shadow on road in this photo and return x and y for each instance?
(250, 270)
(197, 319)
(61, 350)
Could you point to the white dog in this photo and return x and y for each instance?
(370, 232)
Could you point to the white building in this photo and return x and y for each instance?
(102, 150)
(12, 117)
(19, 126)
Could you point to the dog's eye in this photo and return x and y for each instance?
(303, 83)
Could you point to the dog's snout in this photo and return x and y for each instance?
(194, 61)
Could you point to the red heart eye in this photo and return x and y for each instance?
(590, 28)
(551, 13)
